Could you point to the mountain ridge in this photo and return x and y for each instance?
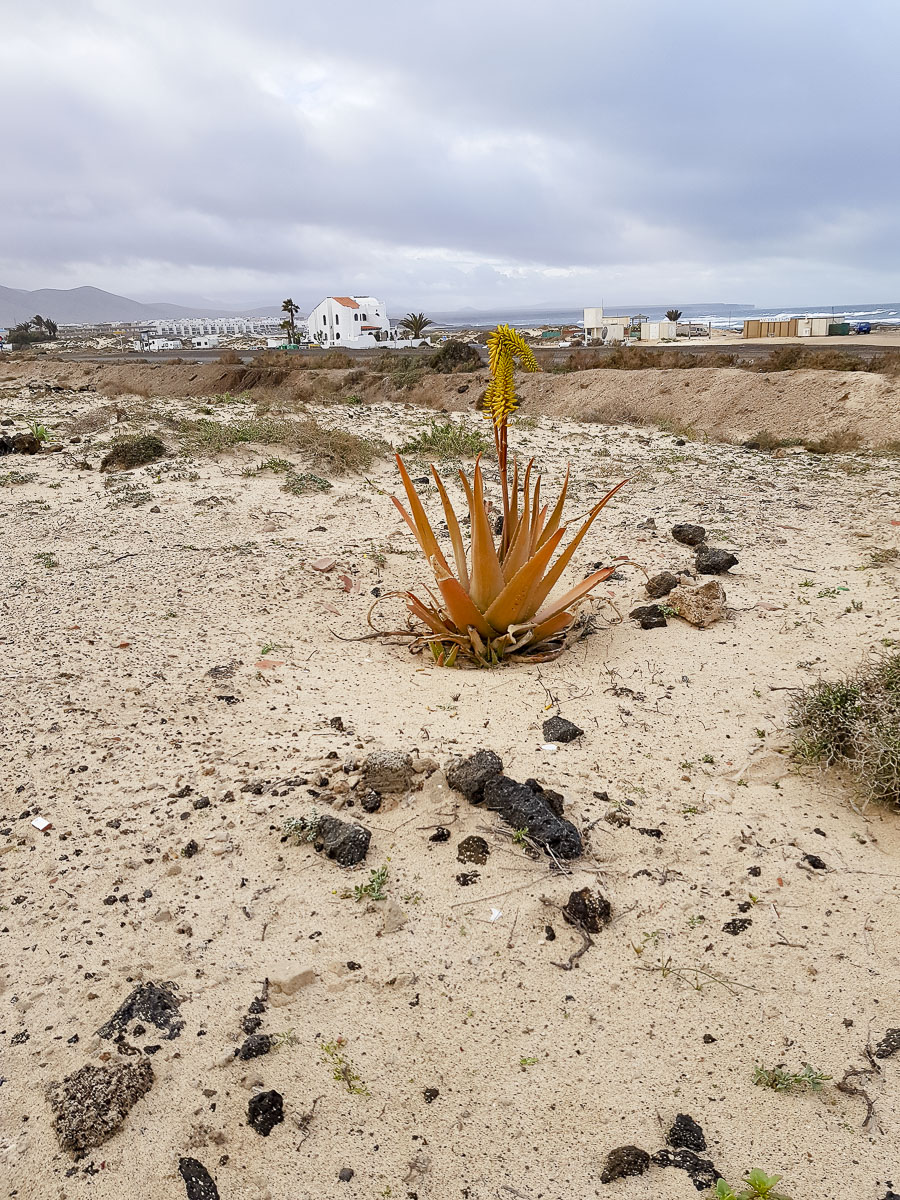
(90, 305)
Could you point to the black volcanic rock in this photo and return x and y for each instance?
(689, 535)
(528, 807)
(469, 775)
(714, 562)
(624, 1161)
(197, 1180)
(265, 1111)
(587, 909)
(686, 1134)
(558, 729)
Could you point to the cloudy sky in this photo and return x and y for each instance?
(442, 155)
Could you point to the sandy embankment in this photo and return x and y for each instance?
(730, 404)
(167, 642)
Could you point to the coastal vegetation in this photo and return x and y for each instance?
(28, 333)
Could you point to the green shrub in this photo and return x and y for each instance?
(126, 453)
(454, 356)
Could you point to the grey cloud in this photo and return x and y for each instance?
(451, 157)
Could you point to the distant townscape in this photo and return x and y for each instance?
(362, 322)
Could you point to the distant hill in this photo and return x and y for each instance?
(89, 304)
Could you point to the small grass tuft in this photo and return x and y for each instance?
(449, 440)
(297, 483)
(780, 1080)
(882, 557)
(342, 1069)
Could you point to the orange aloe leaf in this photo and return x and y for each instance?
(485, 575)
(552, 625)
(576, 593)
(538, 529)
(556, 516)
(511, 606)
(564, 559)
(408, 519)
(511, 518)
(462, 611)
(520, 549)
(456, 538)
(420, 523)
(430, 617)
(535, 513)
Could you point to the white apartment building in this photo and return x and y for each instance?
(229, 326)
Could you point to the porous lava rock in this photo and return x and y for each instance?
(152, 1003)
(255, 1045)
(702, 1173)
(473, 849)
(587, 909)
(710, 561)
(265, 1111)
(649, 616)
(91, 1104)
(685, 1133)
(737, 925)
(689, 535)
(558, 729)
(469, 775)
(624, 1161)
(700, 606)
(660, 585)
(343, 841)
(198, 1182)
(525, 805)
(528, 806)
(385, 771)
(25, 443)
(889, 1044)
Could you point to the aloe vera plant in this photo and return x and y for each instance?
(497, 603)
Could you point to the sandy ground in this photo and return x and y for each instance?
(166, 638)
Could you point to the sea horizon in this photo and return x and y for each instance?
(720, 316)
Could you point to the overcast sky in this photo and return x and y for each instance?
(441, 155)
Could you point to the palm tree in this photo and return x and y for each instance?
(673, 314)
(415, 324)
(289, 307)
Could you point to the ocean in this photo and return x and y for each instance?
(721, 316)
